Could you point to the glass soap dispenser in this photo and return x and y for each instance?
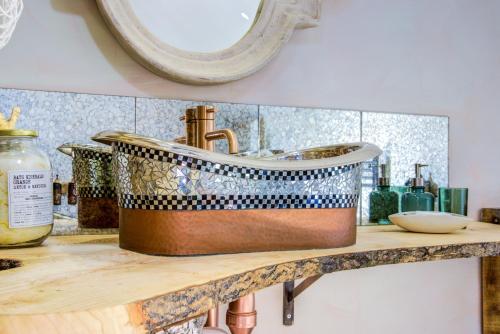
(383, 201)
(417, 199)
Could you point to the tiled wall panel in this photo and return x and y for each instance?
(69, 117)
(408, 139)
(289, 128)
(160, 119)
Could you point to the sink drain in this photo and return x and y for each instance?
(6, 264)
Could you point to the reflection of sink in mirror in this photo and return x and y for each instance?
(176, 199)
(197, 25)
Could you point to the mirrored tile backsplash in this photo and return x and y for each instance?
(407, 139)
(288, 128)
(72, 117)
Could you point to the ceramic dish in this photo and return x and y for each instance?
(430, 222)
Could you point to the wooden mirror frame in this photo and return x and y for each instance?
(272, 29)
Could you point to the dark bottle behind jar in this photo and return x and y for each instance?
(57, 191)
(72, 197)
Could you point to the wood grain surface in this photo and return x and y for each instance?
(490, 272)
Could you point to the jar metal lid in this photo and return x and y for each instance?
(18, 133)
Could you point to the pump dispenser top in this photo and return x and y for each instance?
(417, 199)
(418, 180)
(384, 179)
(383, 201)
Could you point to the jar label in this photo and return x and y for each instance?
(30, 198)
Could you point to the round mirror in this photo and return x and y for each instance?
(206, 41)
(197, 25)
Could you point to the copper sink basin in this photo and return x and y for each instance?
(179, 200)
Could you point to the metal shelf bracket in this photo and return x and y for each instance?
(290, 292)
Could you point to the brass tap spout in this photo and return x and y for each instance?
(200, 132)
(224, 134)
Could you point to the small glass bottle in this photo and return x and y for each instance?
(417, 199)
(26, 215)
(57, 190)
(72, 196)
(383, 201)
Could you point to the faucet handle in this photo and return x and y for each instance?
(181, 140)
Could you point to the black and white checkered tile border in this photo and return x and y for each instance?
(96, 192)
(230, 170)
(93, 155)
(236, 202)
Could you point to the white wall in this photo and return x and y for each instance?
(426, 56)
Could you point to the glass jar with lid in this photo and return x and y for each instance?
(26, 215)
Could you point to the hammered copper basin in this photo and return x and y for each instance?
(179, 200)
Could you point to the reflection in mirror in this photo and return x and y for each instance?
(197, 25)
(405, 140)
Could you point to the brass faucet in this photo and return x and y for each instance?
(200, 124)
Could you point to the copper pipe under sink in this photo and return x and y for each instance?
(213, 318)
(241, 317)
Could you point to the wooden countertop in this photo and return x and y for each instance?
(88, 282)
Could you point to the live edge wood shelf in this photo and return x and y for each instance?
(88, 283)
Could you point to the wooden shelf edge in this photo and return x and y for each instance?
(169, 305)
(226, 290)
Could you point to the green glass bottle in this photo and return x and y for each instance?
(417, 199)
(383, 202)
(401, 190)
